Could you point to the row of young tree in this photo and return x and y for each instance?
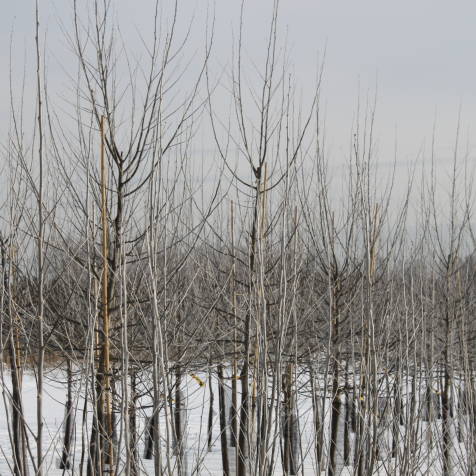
(292, 284)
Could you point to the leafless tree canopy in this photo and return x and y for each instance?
(321, 323)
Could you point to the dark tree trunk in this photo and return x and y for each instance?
(446, 422)
(149, 438)
(290, 427)
(210, 412)
(133, 440)
(347, 424)
(318, 428)
(65, 462)
(243, 437)
(223, 426)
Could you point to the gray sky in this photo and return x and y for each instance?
(418, 55)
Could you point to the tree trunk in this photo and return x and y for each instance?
(133, 440)
(179, 423)
(243, 437)
(210, 412)
(290, 427)
(149, 438)
(223, 423)
(68, 424)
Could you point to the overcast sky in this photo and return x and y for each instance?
(419, 55)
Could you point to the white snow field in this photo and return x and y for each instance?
(200, 461)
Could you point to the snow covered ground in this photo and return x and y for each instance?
(199, 461)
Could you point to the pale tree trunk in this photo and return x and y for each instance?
(40, 257)
(180, 417)
(17, 426)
